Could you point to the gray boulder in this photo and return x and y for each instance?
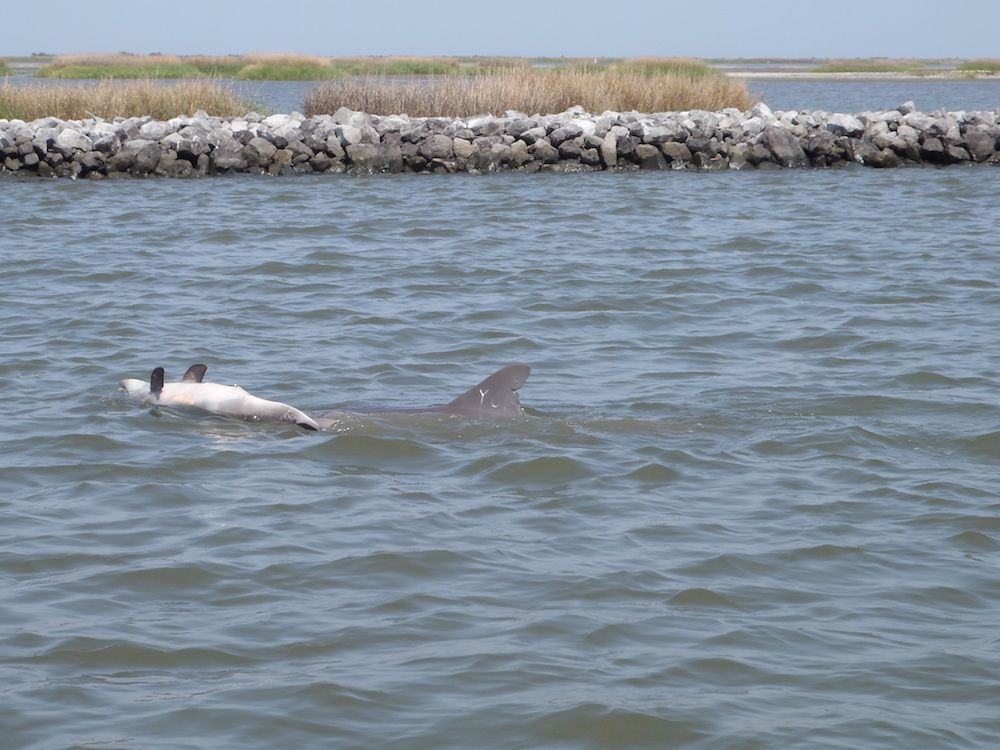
(609, 150)
(784, 147)
(74, 140)
(262, 150)
(980, 144)
(676, 153)
(848, 125)
(544, 151)
(229, 159)
(437, 146)
(649, 157)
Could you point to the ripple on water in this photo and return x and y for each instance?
(758, 478)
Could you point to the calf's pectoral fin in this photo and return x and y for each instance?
(156, 382)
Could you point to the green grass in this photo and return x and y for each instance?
(667, 66)
(285, 72)
(871, 66)
(980, 66)
(4, 68)
(158, 70)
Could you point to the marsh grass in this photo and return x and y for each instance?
(533, 91)
(682, 66)
(109, 99)
(256, 66)
(980, 66)
(875, 65)
(4, 68)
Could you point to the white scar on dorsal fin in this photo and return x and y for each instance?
(482, 396)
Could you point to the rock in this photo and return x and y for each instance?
(437, 147)
(321, 162)
(864, 152)
(229, 159)
(517, 127)
(819, 144)
(92, 160)
(485, 126)
(956, 154)
(649, 157)
(751, 127)
(784, 147)
(906, 108)
(364, 157)
(74, 140)
(932, 150)
(980, 144)
(848, 125)
(154, 130)
(918, 121)
(566, 132)
(590, 156)
(657, 134)
(676, 153)
(532, 134)
(348, 134)
(463, 148)
(544, 151)
(609, 150)
(569, 149)
(261, 149)
(145, 154)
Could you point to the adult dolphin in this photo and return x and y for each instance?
(225, 400)
(496, 396)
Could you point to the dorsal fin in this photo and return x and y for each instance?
(194, 374)
(495, 396)
(156, 381)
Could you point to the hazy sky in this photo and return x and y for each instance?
(712, 28)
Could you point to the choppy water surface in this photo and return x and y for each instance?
(755, 505)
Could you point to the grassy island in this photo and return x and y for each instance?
(981, 66)
(109, 99)
(873, 65)
(265, 67)
(531, 90)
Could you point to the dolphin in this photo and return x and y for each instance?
(496, 396)
(225, 400)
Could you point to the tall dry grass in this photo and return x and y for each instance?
(109, 99)
(532, 91)
(104, 59)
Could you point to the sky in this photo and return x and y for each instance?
(577, 28)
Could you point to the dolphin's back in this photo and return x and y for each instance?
(494, 397)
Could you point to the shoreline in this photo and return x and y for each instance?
(806, 75)
(572, 141)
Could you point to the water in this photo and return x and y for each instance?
(852, 95)
(755, 504)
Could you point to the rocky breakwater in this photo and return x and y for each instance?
(575, 140)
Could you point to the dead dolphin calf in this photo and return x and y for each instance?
(225, 400)
(494, 397)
